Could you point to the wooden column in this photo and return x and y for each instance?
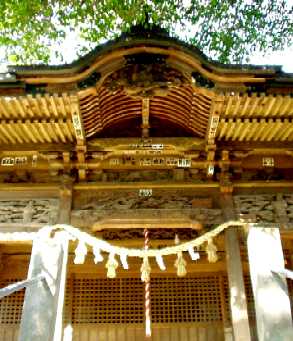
(238, 302)
(272, 304)
(65, 201)
(43, 303)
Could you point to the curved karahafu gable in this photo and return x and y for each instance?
(145, 83)
(156, 44)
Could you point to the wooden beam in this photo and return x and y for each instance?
(142, 223)
(238, 302)
(272, 303)
(249, 145)
(140, 185)
(13, 190)
(43, 302)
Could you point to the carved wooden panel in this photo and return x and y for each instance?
(266, 208)
(42, 211)
(255, 208)
(288, 198)
(154, 234)
(164, 211)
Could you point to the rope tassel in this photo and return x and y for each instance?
(111, 265)
(145, 270)
(211, 251)
(180, 265)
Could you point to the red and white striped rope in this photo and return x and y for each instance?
(147, 300)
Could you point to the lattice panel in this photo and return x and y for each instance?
(121, 300)
(88, 300)
(107, 301)
(11, 306)
(249, 296)
(185, 299)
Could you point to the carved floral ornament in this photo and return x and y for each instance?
(145, 80)
(86, 241)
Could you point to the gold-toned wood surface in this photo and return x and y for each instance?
(183, 309)
(54, 119)
(39, 119)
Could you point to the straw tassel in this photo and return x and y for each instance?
(211, 251)
(145, 270)
(180, 264)
(111, 265)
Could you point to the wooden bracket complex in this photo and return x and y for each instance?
(80, 135)
(77, 120)
(211, 134)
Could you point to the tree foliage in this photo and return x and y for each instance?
(227, 30)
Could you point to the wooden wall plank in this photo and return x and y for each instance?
(121, 333)
(127, 332)
(130, 332)
(202, 336)
(192, 333)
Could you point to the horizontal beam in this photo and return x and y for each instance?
(38, 147)
(87, 186)
(149, 223)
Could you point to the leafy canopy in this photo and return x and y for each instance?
(227, 30)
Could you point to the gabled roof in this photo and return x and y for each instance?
(142, 79)
(152, 41)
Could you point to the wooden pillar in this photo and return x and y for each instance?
(272, 304)
(65, 201)
(238, 302)
(43, 303)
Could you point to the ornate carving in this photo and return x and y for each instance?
(145, 80)
(288, 199)
(266, 208)
(43, 211)
(133, 201)
(194, 175)
(123, 234)
(156, 210)
(257, 208)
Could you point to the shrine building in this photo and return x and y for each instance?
(146, 192)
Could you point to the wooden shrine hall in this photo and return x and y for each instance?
(146, 192)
